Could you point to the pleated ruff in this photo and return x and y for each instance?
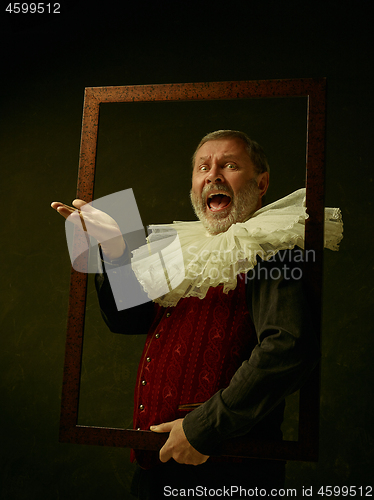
(183, 260)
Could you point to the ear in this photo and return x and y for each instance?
(263, 183)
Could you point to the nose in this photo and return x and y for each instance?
(214, 176)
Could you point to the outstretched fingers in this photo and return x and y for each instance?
(63, 209)
(72, 212)
(82, 205)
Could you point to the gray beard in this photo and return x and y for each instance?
(243, 206)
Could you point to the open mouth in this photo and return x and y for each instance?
(218, 201)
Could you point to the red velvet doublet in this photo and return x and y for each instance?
(192, 350)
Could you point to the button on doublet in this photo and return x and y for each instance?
(148, 359)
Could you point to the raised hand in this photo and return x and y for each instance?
(98, 224)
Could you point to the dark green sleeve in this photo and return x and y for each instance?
(285, 355)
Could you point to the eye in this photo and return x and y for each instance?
(203, 168)
(231, 166)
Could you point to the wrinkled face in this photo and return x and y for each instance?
(225, 185)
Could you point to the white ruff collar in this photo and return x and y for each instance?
(183, 260)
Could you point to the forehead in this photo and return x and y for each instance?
(230, 148)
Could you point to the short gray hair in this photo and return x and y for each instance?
(254, 150)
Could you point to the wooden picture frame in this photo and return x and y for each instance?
(306, 447)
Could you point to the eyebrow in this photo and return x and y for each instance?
(225, 155)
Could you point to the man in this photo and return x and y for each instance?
(219, 367)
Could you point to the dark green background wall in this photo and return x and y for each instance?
(45, 64)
